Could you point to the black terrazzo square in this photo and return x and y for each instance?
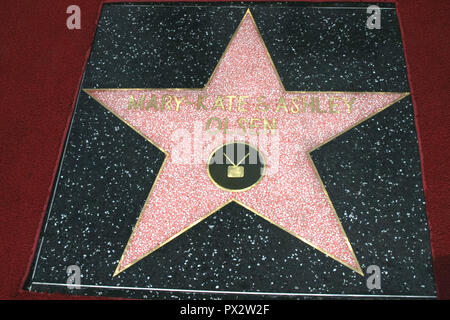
(372, 172)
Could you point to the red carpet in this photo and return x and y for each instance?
(41, 63)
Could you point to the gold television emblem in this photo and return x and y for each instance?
(235, 171)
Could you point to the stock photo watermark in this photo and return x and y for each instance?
(74, 19)
(74, 277)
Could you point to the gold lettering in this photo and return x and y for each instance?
(318, 108)
(230, 102)
(208, 124)
(242, 122)
(200, 104)
(296, 107)
(218, 103)
(178, 102)
(333, 103)
(242, 102)
(260, 103)
(349, 104)
(165, 101)
(282, 104)
(310, 104)
(152, 103)
(268, 126)
(254, 123)
(136, 104)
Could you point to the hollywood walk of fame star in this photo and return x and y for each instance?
(292, 197)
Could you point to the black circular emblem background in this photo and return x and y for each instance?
(243, 159)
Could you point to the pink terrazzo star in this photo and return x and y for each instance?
(291, 194)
